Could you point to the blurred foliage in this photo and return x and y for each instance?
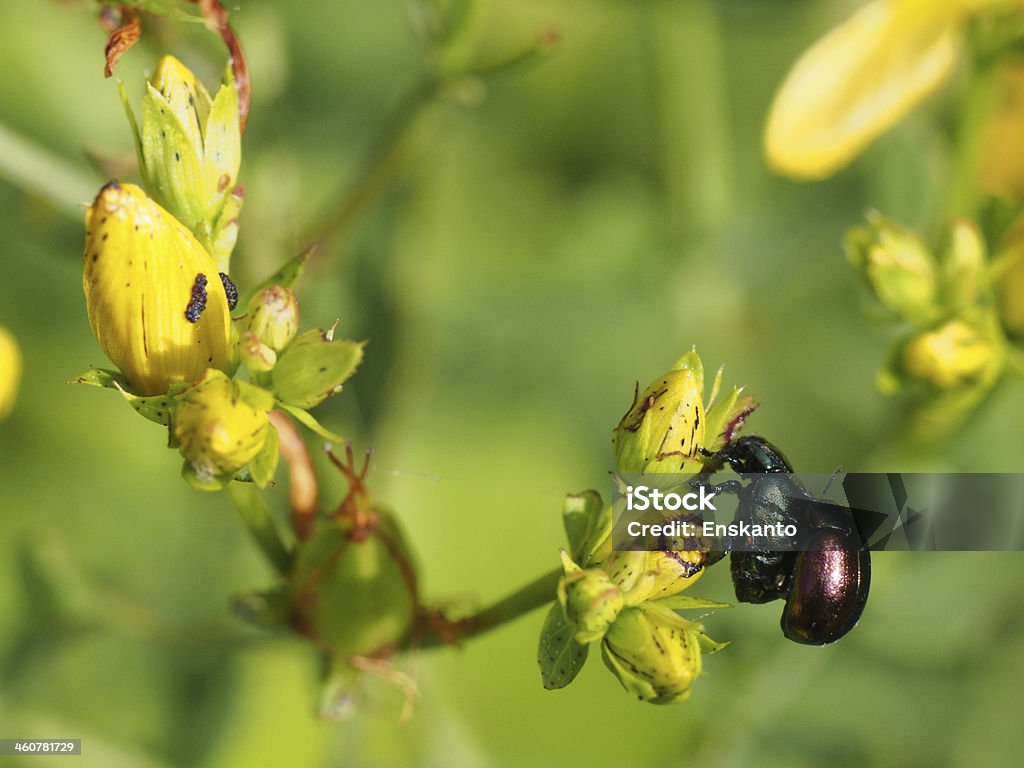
(587, 221)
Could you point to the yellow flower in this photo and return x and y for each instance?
(955, 354)
(861, 79)
(10, 371)
(155, 301)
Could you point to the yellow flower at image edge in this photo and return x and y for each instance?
(860, 80)
(221, 425)
(155, 300)
(10, 372)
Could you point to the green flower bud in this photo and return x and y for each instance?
(221, 425)
(955, 354)
(897, 266)
(313, 367)
(189, 150)
(353, 588)
(153, 295)
(274, 317)
(590, 600)
(663, 430)
(655, 654)
(10, 372)
(254, 354)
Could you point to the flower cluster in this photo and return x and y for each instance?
(626, 600)
(159, 298)
(957, 300)
(954, 348)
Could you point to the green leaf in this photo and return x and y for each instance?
(559, 656)
(287, 276)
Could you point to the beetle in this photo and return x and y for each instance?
(825, 585)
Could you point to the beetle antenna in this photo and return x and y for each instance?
(840, 472)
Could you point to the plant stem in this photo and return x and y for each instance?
(439, 631)
(380, 162)
(252, 509)
(31, 167)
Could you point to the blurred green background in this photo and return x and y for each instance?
(580, 226)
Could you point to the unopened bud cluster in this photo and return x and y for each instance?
(953, 346)
(159, 298)
(625, 602)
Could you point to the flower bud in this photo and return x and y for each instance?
(353, 587)
(655, 654)
(154, 299)
(653, 575)
(189, 150)
(953, 355)
(590, 600)
(663, 430)
(10, 371)
(254, 354)
(274, 316)
(221, 425)
(897, 266)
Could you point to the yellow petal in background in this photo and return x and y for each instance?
(859, 80)
(145, 277)
(10, 372)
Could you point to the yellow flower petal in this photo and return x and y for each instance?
(141, 279)
(859, 80)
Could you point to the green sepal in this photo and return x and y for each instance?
(225, 229)
(309, 421)
(707, 645)
(262, 466)
(215, 483)
(222, 141)
(156, 408)
(580, 514)
(687, 603)
(726, 416)
(559, 656)
(170, 166)
(313, 367)
(133, 124)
